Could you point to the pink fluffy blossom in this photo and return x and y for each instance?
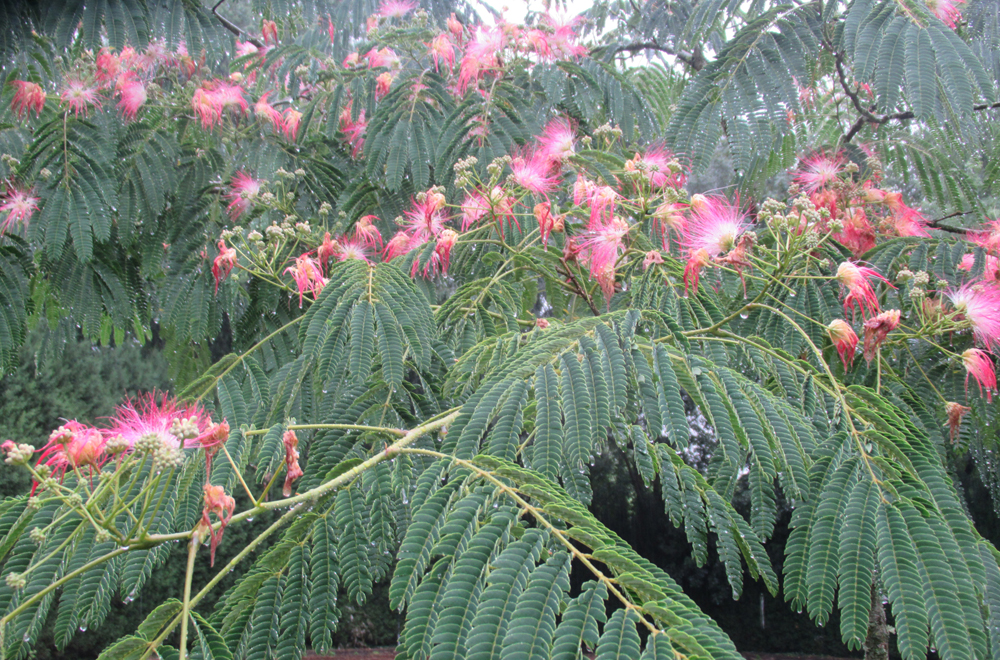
(267, 112)
(979, 365)
(714, 226)
(819, 170)
(988, 237)
(441, 49)
(947, 11)
(396, 8)
(80, 95)
(366, 231)
(909, 222)
(269, 31)
(383, 83)
(353, 129)
(243, 190)
(206, 107)
(383, 57)
(979, 303)
(481, 55)
(455, 27)
(354, 248)
(132, 97)
(557, 140)
(602, 247)
(19, 205)
(531, 171)
(176, 425)
(72, 446)
(291, 119)
(655, 165)
(397, 246)
(442, 250)
(991, 266)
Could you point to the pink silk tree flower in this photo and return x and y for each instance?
(383, 83)
(327, 250)
(19, 205)
(267, 112)
(455, 27)
(441, 49)
(474, 208)
(652, 257)
(382, 57)
(292, 117)
(979, 303)
(80, 95)
(308, 276)
(857, 234)
(877, 328)
(819, 170)
(669, 217)
(108, 67)
(269, 31)
(715, 225)
(174, 424)
(947, 11)
(979, 365)
(132, 96)
(223, 264)
(366, 231)
(481, 56)
(27, 97)
(352, 249)
(603, 247)
(844, 339)
(396, 8)
(397, 246)
(531, 172)
(243, 189)
(988, 237)
(991, 266)
(557, 141)
(213, 437)
(909, 222)
(445, 242)
(546, 222)
(207, 108)
(697, 260)
(602, 205)
(655, 165)
(73, 445)
(857, 280)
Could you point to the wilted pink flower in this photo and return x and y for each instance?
(291, 121)
(176, 425)
(947, 11)
(441, 49)
(541, 324)
(327, 250)
(955, 413)
(222, 505)
(652, 257)
(697, 260)
(557, 140)
(269, 31)
(292, 469)
(844, 338)
(715, 225)
(876, 330)
(267, 112)
(455, 27)
(19, 206)
(979, 365)
(28, 96)
(445, 242)
(397, 246)
(382, 84)
(308, 276)
(980, 304)
(531, 172)
(243, 190)
(819, 170)
(223, 264)
(367, 232)
(132, 97)
(858, 282)
(543, 214)
(80, 95)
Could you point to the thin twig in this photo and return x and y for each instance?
(232, 27)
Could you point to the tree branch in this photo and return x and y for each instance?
(233, 27)
(695, 60)
(936, 223)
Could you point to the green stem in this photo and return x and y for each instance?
(346, 427)
(186, 604)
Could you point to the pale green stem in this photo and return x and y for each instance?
(186, 603)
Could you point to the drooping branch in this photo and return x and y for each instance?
(233, 27)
